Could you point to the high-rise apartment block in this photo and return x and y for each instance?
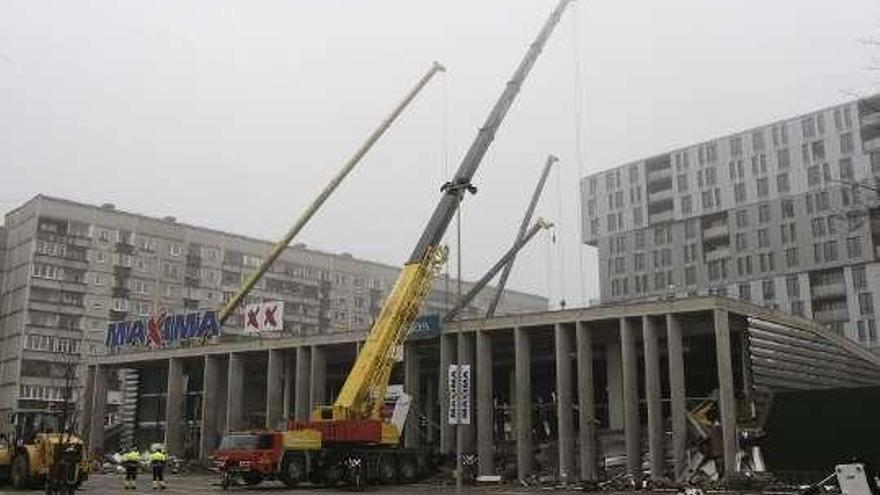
(784, 215)
(67, 269)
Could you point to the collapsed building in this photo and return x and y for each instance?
(563, 395)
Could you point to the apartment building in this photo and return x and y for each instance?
(69, 268)
(784, 215)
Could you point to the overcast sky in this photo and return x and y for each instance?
(234, 114)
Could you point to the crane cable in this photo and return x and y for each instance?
(578, 118)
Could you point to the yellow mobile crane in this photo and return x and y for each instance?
(350, 436)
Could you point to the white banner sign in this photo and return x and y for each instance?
(459, 382)
(264, 317)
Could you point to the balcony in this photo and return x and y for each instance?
(871, 145)
(871, 120)
(825, 291)
(193, 260)
(122, 271)
(120, 292)
(831, 315)
(661, 195)
(717, 254)
(716, 231)
(124, 248)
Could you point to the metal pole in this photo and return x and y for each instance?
(325, 193)
(459, 433)
(503, 262)
(490, 312)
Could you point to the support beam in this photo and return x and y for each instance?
(565, 421)
(678, 407)
(87, 400)
(651, 344)
(235, 392)
(289, 373)
(522, 365)
(725, 389)
(99, 410)
(174, 407)
(614, 385)
(318, 389)
(274, 388)
(485, 410)
(586, 404)
(211, 399)
(303, 369)
(447, 432)
(431, 408)
(632, 424)
(466, 356)
(411, 387)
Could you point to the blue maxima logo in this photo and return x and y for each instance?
(162, 330)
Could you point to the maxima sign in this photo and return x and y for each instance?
(163, 330)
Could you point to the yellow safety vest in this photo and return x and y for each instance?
(157, 458)
(131, 456)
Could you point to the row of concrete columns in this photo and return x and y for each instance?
(626, 356)
(298, 374)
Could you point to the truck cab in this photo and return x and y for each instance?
(250, 456)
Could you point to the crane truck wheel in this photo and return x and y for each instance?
(19, 471)
(408, 469)
(387, 470)
(293, 471)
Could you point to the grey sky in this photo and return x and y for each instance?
(233, 114)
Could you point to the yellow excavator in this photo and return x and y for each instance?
(351, 441)
(32, 454)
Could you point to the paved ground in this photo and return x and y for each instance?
(199, 484)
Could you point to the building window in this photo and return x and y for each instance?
(782, 184)
(866, 304)
(764, 213)
(745, 292)
(640, 239)
(742, 219)
(736, 147)
(175, 249)
(860, 280)
(822, 202)
(818, 148)
(690, 275)
(682, 183)
(40, 270)
(739, 193)
(808, 128)
(741, 241)
(854, 247)
(768, 290)
(763, 188)
(831, 251)
(818, 226)
(687, 206)
(690, 229)
(846, 143)
(846, 168)
(638, 216)
(763, 238)
(783, 158)
(813, 177)
(792, 287)
(791, 257)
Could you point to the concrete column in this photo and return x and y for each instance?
(211, 398)
(318, 389)
(274, 388)
(586, 404)
(485, 409)
(651, 345)
(466, 356)
(631, 423)
(235, 392)
(564, 419)
(614, 386)
(174, 407)
(87, 400)
(678, 407)
(289, 372)
(447, 432)
(99, 410)
(411, 387)
(303, 369)
(522, 366)
(725, 389)
(431, 412)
